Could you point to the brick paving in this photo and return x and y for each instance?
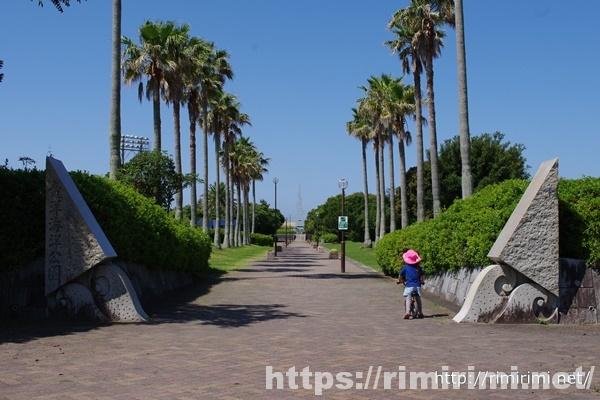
(293, 311)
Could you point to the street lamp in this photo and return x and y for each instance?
(343, 184)
(275, 181)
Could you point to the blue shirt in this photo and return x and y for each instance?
(411, 275)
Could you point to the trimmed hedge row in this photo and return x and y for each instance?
(261, 240)
(463, 234)
(139, 230)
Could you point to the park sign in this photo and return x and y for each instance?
(343, 223)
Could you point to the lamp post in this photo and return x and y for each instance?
(275, 181)
(343, 184)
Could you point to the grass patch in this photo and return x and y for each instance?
(236, 257)
(355, 251)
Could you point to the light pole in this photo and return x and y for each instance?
(343, 184)
(275, 181)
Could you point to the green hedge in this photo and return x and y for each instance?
(261, 240)
(463, 234)
(139, 230)
(22, 216)
(329, 237)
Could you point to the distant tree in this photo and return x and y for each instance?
(323, 219)
(493, 160)
(27, 162)
(153, 175)
(1, 66)
(267, 219)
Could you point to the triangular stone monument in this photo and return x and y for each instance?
(74, 240)
(529, 240)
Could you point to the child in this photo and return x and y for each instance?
(411, 275)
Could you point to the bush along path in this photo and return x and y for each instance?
(463, 234)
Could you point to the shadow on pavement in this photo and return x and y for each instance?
(224, 315)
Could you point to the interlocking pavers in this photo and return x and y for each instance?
(295, 310)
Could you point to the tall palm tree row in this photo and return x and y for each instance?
(419, 35)
(380, 117)
(188, 71)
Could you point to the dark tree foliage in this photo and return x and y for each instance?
(267, 219)
(1, 66)
(58, 3)
(153, 175)
(493, 160)
(323, 219)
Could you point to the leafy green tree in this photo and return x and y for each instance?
(267, 219)
(493, 160)
(153, 175)
(323, 219)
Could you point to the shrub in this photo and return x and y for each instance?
(261, 240)
(139, 230)
(580, 219)
(152, 174)
(463, 235)
(22, 205)
(329, 238)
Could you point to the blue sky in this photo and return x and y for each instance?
(533, 74)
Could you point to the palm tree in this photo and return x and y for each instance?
(411, 63)
(260, 168)
(59, 4)
(212, 77)
(425, 17)
(231, 121)
(115, 104)
(151, 59)
(403, 106)
(198, 53)
(463, 103)
(181, 54)
(360, 129)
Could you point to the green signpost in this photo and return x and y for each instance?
(343, 223)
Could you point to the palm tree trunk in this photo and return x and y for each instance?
(217, 237)
(246, 219)
(377, 190)
(193, 197)
(115, 105)
(403, 194)
(231, 204)
(392, 183)
(205, 215)
(177, 133)
(463, 103)
(419, 141)
(238, 223)
(381, 188)
(433, 156)
(226, 241)
(367, 235)
(156, 113)
(253, 203)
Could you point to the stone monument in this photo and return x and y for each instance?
(81, 278)
(524, 285)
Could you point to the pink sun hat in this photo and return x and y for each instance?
(411, 257)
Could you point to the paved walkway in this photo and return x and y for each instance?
(293, 311)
